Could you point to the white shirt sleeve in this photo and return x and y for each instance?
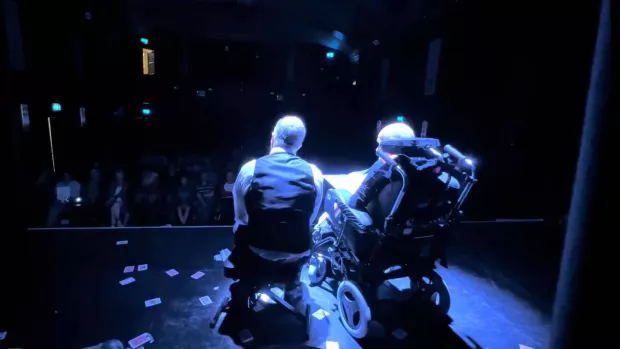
(318, 184)
(242, 184)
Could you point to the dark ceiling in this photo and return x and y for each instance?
(280, 20)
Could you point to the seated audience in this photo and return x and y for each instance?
(146, 198)
(92, 198)
(66, 189)
(185, 194)
(205, 194)
(93, 187)
(117, 200)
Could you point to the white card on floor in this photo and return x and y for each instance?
(206, 300)
(197, 275)
(245, 336)
(129, 269)
(140, 340)
(172, 272)
(399, 333)
(152, 302)
(122, 242)
(331, 345)
(320, 314)
(143, 267)
(521, 346)
(3, 335)
(216, 288)
(127, 281)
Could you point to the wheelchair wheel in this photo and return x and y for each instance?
(354, 311)
(318, 268)
(439, 293)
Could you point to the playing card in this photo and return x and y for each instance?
(141, 340)
(521, 346)
(197, 275)
(399, 333)
(127, 281)
(245, 336)
(122, 242)
(172, 272)
(143, 267)
(3, 335)
(331, 345)
(320, 314)
(206, 300)
(152, 302)
(216, 288)
(129, 269)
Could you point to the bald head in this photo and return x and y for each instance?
(395, 132)
(289, 134)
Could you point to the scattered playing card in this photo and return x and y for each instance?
(521, 346)
(3, 335)
(129, 269)
(399, 333)
(320, 314)
(143, 267)
(206, 300)
(172, 272)
(216, 288)
(127, 281)
(122, 242)
(152, 302)
(331, 345)
(245, 336)
(141, 340)
(197, 275)
(258, 307)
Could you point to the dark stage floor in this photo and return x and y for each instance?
(74, 299)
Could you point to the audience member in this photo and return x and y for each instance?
(92, 198)
(66, 189)
(93, 187)
(117, 200)
(205, 194)
(146, 198)
(184, 196)
(226, 202)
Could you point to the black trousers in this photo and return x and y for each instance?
(252, 271)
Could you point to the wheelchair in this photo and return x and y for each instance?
(402, 233)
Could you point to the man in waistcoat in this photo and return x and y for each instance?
(276, 200)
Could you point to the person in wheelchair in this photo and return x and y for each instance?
(393, 225)
(276, 199)
(378, 175)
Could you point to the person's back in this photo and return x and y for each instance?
(280, 203)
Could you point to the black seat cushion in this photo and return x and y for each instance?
(360, 219)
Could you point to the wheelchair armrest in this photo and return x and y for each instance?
(361, 220)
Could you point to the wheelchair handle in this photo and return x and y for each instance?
(453, 151)
(385, 157)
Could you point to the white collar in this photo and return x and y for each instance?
(275, 150)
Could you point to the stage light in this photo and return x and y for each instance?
(330, 55)
(146, 112)
(144, 41)
(56, 107)
(400, 118)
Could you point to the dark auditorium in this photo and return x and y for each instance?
(372, 174)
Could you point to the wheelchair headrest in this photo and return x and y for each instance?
(409, 147)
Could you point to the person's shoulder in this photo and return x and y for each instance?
(316, 171)
(248, 167)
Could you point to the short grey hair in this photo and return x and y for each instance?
(396, 132)
(289, 133)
